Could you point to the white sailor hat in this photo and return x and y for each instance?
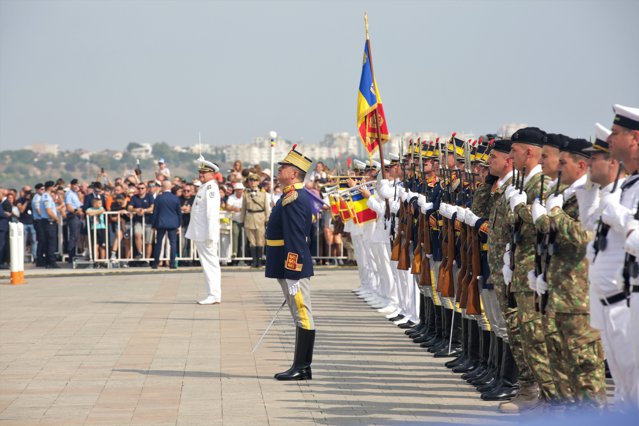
(375, 165)
(394, 158)
(206, 166)
(359, 165)
(601, 141)
(627, 117)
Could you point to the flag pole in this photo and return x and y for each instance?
(370, 60)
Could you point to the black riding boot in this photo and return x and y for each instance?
(508, 383)
(463, 357)
(486, 355)
(301, 369)
(492, 381)
(455, 342)
(434, 326)
(473, 349)
(445, 330)
(421, 326)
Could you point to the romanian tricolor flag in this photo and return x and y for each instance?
(369, 108)
(362, 213)
(345, 210)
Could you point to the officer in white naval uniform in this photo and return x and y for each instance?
(617, 211)
(204, 230)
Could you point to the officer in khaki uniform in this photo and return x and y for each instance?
(288, 258)
(255, 212)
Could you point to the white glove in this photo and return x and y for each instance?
(507, 256)
(421, 200)
(209, 243)
(293, 286)
(461, 213)
(405, 195)
(507, 273)
(542, 286)
(471, 218)
(394, 206)
(554, 201)
(385, 190)
(443, 210)
(532, 280)
(517, 198)
(612, 212)
(538, 211)
(510, 190)
(424, 209)
(590, 252)
(631, 226)
(631, 246)
(400, 192)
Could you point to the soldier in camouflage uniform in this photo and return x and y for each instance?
(526, 152)
(492, 204)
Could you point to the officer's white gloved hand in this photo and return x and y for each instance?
(209, 243)
(400, 191)
(631, 246)
(385, 190)
(428, 206)
(405, 195)
(538, 211)
(554, 201)
(442, 209)
(507, 273)
(506, 256)
(516, 199)
(471, 218)
(542, 286)
(590, 251)
(609, 206)
(394, 206)
(532, 280)
(293, 286)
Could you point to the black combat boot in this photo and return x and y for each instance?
(492, 381)
(301, 369)
(508, 381)
(487, 365)
(473, 349)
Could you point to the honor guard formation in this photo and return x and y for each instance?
(512, 259)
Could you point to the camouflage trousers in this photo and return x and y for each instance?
(559, 364)
(583, 357)
(534, 344)
(525, 375)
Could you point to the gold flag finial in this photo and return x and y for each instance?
(366, 24)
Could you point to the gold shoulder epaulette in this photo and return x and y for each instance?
(289, 198)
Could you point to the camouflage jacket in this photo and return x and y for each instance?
(567, 273)
(525, 251)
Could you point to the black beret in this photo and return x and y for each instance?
(530, 136)
(49, 184)
(502, 145)
(39, 185)
(576, 146)
(554, 139)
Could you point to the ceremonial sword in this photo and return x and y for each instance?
(269, 326)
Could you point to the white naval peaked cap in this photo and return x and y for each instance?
(204, 165)
(359, 165)
(376, 165)
(392, 156)
(627, 117)
(601, 132)
(386, 162)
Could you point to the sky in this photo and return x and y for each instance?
(99, 74)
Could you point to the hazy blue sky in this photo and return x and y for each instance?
(99, 74)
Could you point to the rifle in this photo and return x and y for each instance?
(404, 262)
(516, 238)
(539, 248)
(416, 266)
(630, 268)
(550, 250)
(397, 242)
(446, 283)
(601, 236)
(473, 302)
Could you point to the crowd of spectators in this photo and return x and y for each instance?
(123, 234)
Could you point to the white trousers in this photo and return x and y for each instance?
(362, 265)
(381, 255)
(211, 266)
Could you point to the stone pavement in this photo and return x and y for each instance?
(136, 349)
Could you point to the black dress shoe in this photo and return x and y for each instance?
(295, 373)
(408, 324)
(398, 317)
(503, 393)
(454, 351)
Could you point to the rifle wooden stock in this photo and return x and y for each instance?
(416, 266)
(468, 270)
(448, 281)
(425, 275)
(473, 304)
(463, 267)
(403, 263)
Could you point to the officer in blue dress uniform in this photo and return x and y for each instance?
(288, 257)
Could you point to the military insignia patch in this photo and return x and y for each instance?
(484, 228)
(289, 198)
(291, 262)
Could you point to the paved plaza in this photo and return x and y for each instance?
(136, 349)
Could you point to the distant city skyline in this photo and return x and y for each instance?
(99, 75)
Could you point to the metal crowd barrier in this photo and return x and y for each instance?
(186, 248)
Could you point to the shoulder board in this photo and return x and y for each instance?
(289, 198)
(484, 228)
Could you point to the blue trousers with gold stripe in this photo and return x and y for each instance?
(300, 304)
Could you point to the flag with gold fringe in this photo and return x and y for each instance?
(370, 112)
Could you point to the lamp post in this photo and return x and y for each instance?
(273, 135)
